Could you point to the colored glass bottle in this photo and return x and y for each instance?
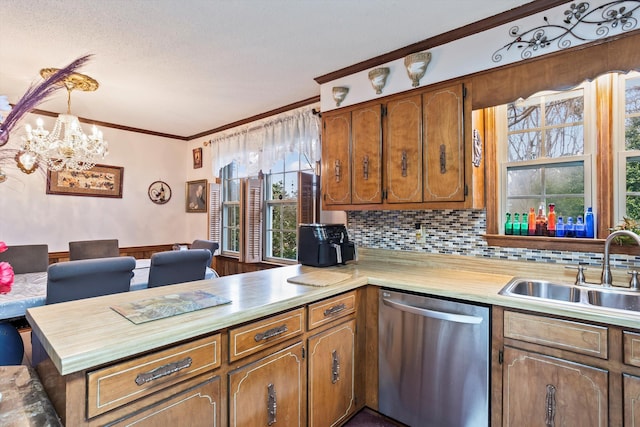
(531, 225)
(589, 223)
(508, 225)
(580, 230)
(560, 227)
(541, 222)
(551, 221)
(569, 228)
(524, 224)
(516, 224)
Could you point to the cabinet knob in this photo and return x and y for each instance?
(443, 159)
(338, 171)
(365, 167)
(403, 163)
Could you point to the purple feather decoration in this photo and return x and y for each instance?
(35, 95)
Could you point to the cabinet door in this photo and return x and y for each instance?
(366, 139)
(631, 387)
(545, 391)
(403, 148)
(336, 155)
(331, 375)
(199, 405)
(268, 391)
(443, 140)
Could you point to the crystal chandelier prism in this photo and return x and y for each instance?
(66, 146)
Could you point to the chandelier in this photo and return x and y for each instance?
(66, 146)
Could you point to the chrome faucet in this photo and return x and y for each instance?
(606, 279)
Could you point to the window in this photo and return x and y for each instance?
(283, 191)
(629, 146)
(546, 154)
(231, 219)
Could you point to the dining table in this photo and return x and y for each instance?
(30, 289)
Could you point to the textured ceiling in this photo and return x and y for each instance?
(183, 67)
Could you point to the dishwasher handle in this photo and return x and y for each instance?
(441, 315)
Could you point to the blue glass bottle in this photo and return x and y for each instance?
(589, 223)
(560, 227)
(569, 228)
(579, 227)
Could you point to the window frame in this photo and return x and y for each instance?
(225, 206)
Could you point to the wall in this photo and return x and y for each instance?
(457, 232)
(29, 215)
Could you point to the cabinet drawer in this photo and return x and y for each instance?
(256, 336)
(330, 309)
(116, 385)
(631, 348)
(562, 334)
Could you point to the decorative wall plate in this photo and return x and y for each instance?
(159, 192)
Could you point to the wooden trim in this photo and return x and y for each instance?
(556, 71)
(604, 173)
(440, 39)
(558, 244)
(491, 170)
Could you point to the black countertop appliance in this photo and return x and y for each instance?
(324, 245)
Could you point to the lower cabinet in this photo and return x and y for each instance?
(331, 375)
(269, 391)
(546, 391)
(203, 400)
(631, 387)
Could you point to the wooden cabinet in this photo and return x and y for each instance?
(631, 387)
(199, 404)
(412, 151)
(331, 375)
(352, 156)
(543, 390)
(269, 391)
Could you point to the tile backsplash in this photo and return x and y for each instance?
(457, 232)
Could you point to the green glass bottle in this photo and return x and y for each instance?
(508, 225)
(524, 225)
(516, 224)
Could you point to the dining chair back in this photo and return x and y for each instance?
(89, 249)
(205, 244)
(26, 258)
(87, 278)
(171, 267)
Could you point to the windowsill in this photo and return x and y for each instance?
(558, 244)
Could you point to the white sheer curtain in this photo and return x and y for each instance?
(258, 146)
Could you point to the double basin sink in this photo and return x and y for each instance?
(587, 295)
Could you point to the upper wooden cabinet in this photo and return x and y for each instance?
(408, 151)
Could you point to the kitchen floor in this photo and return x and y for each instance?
(370, 418)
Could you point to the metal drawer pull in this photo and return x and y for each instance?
(163, 371)
(271, 404)
(335, 309)
(443, 159)
(270, 333)
(335, 367)
(551, 406)
(403, 164)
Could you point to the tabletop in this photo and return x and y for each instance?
(30, 289)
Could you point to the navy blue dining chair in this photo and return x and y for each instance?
(171, 267)
(87, 278)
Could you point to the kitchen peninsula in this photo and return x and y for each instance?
(89, 343)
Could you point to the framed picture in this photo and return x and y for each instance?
(197, 158)
(196, 196)
(99, 181)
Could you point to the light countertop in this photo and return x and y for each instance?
(81, 334)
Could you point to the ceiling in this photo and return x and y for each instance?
(183, 67)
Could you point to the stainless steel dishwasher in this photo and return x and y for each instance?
(433, 361)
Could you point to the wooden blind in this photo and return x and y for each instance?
(252, 251)
(215, 206)
(308, 198)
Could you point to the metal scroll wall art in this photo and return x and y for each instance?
(581, 23)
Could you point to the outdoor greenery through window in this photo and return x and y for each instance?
(631, 152)
(281, 206)
(547, 155)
